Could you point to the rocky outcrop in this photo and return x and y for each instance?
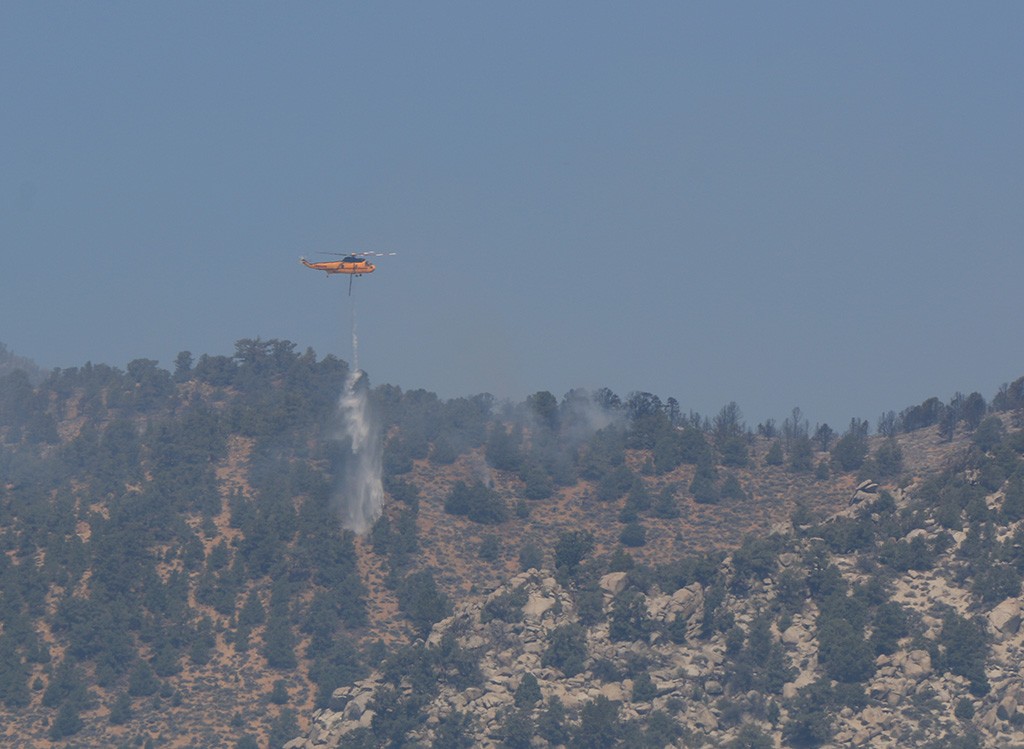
(510, 650)
(913, 695)
(907, 695)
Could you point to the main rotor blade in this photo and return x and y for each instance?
(358, 254)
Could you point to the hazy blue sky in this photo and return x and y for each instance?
(813, 204)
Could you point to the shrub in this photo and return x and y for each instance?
(599, 726)
(989, 433)
(567, 649)
(629, 619)
(490, 548)
(964, 709)
(508, 607)
(643, 688)
(633, 535)
(530, 557)
(571, 548)
(528, 693)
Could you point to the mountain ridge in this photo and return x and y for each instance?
(172, 549)
(914, 693)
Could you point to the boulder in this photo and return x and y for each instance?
(865, 490)
(357, 705)
(917, 664)
(612, 691)
(864, 736)
(614, 582)
(793, 635)
(1005, 618)
(713, 687)
(788, 559)
(1008, 707)
(989, 719)
(687, 601)
(874, 716)
(706, 719)
(538, 605)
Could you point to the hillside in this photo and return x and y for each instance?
(174, 571)
(896, 621)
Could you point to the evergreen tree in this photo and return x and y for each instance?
(567, 649)
(527, 694)
(551, 723)
(629, 619)
(66, 685)
(421, 600)
(633, 535)
(67, 722)
(283, 728)
(338, 665)
(120, 710)
(203, 642)
(252, 613)
(530, 557)
(571, 548)
(888, 458)
(966, 647)
(599, 726)
(801, 454)
(667, 506)
(849, 453)
(703, 486)
(279, 693)
(279, 642)
(142, 682)
(810, 721)
(518, 730)
(13, 674)
(643, 688)
(455, 731)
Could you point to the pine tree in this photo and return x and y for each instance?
(528, 693)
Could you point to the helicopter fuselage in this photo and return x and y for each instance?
(348, 266)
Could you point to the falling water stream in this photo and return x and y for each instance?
(362, 497)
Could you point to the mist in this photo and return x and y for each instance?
(361, 495)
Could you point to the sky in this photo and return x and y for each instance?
(778, 204)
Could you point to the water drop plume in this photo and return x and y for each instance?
(355, 336)
(362, 491)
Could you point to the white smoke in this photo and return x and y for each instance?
(482, 471)
(362, 498)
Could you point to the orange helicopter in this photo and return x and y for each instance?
(351, 265)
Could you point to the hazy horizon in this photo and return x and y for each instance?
(779, 205)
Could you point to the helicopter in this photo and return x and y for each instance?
(351, 265)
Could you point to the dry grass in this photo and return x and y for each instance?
(227, 697)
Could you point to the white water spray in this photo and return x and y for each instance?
(355, 337)
(362, 491)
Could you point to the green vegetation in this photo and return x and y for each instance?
(155, 523)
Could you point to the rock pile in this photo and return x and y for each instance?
(908, 700)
